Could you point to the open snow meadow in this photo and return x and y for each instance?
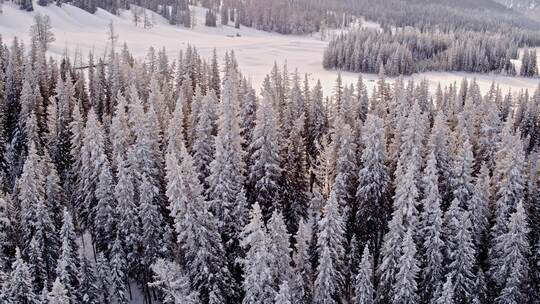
(79, 32)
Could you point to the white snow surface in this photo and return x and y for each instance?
(77, 31)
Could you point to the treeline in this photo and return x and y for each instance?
(448, 16)
(407, 51)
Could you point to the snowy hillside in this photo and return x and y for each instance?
(79, 32)
(522, 5)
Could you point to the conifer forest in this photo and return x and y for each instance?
(173, 178)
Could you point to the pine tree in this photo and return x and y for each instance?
(463, 165)
(67, 270)
(128, 221)
(103, 277)
(175, 287)
(439, 144)
(36, 222)
(87, 290)
(404, 217)
(203, 146)
(106, 219)
(302, 288)
(509, 176)
(155, 235)
(330, 241)
(284, 295)
(447, 293)
(59, 294)
(118, 275)
(5, 227)
(93, 162)
(364, 290)
(431, 234)
(258, 281)
(199, 238)
(120, 134)
(295, 177)
(463, 259)
(278, 241)
(346, 168)
(479, 206)
(18, 288)
(510, 270)
(265, 171)
(226, 193)
(372, 197)
(405, 288)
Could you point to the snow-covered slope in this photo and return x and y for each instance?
(79, 32)
(521, 5)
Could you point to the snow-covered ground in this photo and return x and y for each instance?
(256, 51)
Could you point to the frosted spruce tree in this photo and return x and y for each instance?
(226, 193)
(372, 194)
(18, 287)
(174, 285)
(431, 222)
(363, 286)
(302, 283)
(266, 171)
(67, 269)
(330, 242)
(200, 240)
(405, 287)
(278, 237)
(258, 278)
(510, 270)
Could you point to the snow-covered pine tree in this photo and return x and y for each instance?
(34, 215)
(510, 270)
(363, 285)
(266, 171)
(284, 294)
(67, 269)
(302, 284)
(509, 177)
(446, 296)
(405, 287)
(463, 259)
(279, 247)
(346, 170)
(330, 242)
(87, 290)
(103, 277)
(462, 184)
(372, 194)
(128, 222)
(295, 177)
(18, 288)
(205, 129)
(155, 235)
(200, 239)
(120, 133)
(431, 234)
(258, 279)
(226, 193)
(5, 227)
(106, 219)
(172, 283)
(59, 294)
(479, 207)
(404, 217)
(93, 162)
(118, 273)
